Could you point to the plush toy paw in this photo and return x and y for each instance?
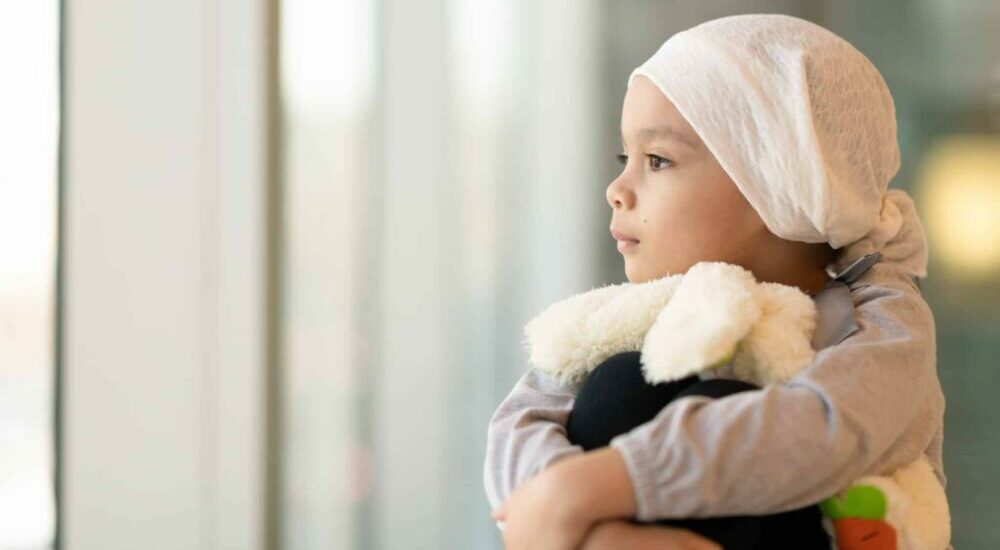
(906, 510)
(859, 519)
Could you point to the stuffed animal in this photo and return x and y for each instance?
(717, 321)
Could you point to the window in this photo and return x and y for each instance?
(29, 135)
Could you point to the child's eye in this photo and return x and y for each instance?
(656, 162)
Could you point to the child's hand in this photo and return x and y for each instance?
(617, 533)
(537, 516)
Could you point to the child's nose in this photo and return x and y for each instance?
(618, 194)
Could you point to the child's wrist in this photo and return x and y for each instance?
(597, 485)
(604, 535)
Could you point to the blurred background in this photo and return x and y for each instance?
(264, 264)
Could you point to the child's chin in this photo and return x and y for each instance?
(636, 273)
(630, 271)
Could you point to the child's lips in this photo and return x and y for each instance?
(619, 236)
(625, 242)
(625, 245)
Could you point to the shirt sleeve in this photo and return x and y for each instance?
(527, 433)
(794, 444)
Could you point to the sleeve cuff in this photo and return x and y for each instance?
(638, 464)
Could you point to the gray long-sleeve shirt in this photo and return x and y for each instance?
(869, 402)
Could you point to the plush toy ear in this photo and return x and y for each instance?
(712, 309)
(779, 344)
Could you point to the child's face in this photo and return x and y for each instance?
(673, 197)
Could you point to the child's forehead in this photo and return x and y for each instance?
(664, 132)
(648, 114)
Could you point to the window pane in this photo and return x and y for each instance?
(29, 111)
(326, 71)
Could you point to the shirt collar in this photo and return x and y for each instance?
(835, 319)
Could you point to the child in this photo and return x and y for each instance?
(768, 142)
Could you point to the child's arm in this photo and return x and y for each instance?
(868, 404)
(616, 533)
(527, 433)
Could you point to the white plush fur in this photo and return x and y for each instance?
(717, 318)
(712, 309)
(570, 338)
(778, 345)
(714, 316)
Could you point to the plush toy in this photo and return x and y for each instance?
(717, 321)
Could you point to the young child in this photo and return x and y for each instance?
(765, 141)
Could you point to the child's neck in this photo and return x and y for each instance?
(798, 264)
(810, 281)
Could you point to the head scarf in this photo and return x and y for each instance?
(804, 125)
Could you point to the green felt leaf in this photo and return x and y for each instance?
(860, 501)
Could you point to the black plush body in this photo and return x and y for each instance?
(616, 398)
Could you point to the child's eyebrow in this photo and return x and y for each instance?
(665, 132)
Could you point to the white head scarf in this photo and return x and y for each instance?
(804, 125)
